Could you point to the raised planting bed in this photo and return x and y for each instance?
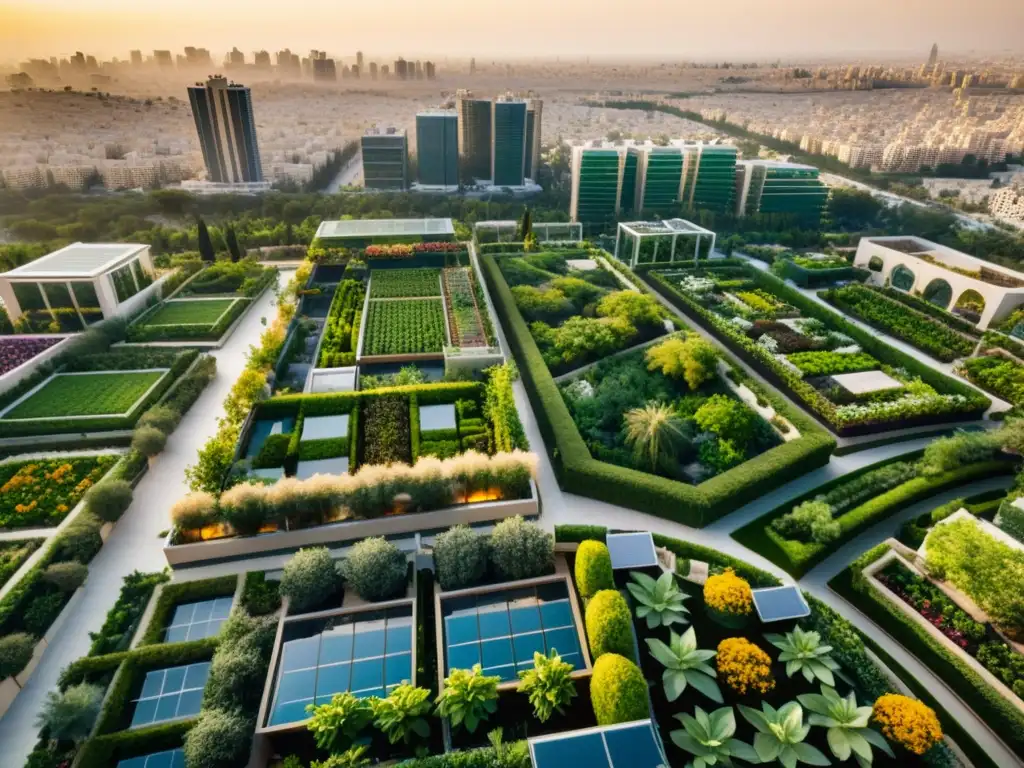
(579, 471)
(341, 330)
(404, 327)
(578, 316)
(72, 395)
(190, 312)
(227, 278)
(465, 312)
(405, 283)
(15, 352)
(924, 397)
(187, 319)
(41, 492)
(1002, 376)
(13, 555)
(385, 425)
(888, 315)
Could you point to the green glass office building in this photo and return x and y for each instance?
(508, 129)
(596, 183)
(437, 148)
(772, 187)
(710, 178)
(474, 116)
(660, 171)
(385, 159)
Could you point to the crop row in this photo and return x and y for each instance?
(404, 283)
(341, 332)
(404, 327)
(463, 312)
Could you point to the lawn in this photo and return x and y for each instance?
(199, 312)
(404, 327)
(94, 394)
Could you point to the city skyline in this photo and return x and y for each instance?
(734, 29)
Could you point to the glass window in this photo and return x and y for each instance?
(85, 295)
(29, 296)
(170, 694)
(58, 295)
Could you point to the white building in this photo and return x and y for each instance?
(1007, 203)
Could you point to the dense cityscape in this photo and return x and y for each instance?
(443, 410)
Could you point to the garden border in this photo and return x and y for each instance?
(127, 414)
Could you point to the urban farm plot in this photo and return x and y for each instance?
(43, 491)
(93, 394)
(197, 312)
(404, 327)
(405, 283)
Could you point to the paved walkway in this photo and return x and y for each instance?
(134, 543)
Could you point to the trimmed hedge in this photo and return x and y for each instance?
(609, 624)
(816, 278)
(798, 557)
(812, 400)
(105, 751)
(618, 691)
(1004, 718)
(184, 592)
(140, 332)
(593, 569)
(578, 472)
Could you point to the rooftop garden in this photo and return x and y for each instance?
(245, 278)
(41, 492)
(903, 392)
(187, 319)
(16, 352)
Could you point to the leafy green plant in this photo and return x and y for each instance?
(549, 685)
(69, 715)
(353, 757)
(309, 579)
(709, 738)
(659, 602)
(655, 433)
(339, 722)
(781, 733)
(847, 724)
(804, 652)
(404, 327)
(469, 697)
(685, 664)
(403, 714)
(376, 569)
(15, 653)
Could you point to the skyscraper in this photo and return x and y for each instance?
(770, 186)
(437, 148)
(534, 109)
(474, 135)
(227, 130)
(933, 57)
(508, 139)
(385, 159)
(359, 59)
(373, 70)
(136, 58)
(401, 68)
(597, 183)
(261, 59)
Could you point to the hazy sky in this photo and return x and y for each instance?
(484, 28)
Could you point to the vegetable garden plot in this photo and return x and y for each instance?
(404, 327)
(405, 283)
(92, 394)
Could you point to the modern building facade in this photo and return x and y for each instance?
(508, 139)
(767, 186)
(385, 159)
(534, 113)
(437, 148)
(597, 183)
(227, 131)
(474, 116)
(710, 179)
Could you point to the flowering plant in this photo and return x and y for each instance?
(743, 666)
(43, 491)
(14, 352)
(907, 722)
(728, 593)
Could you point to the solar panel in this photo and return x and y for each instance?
(632, 550)
(780, 603)
(363, 655)
(196, 621)
(171, 758)
(170, 694)
(628, 745)
(502, 630)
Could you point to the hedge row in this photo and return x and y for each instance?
(140, 332)
(580, 473)
(815, 402)
(184, 592)
(816, 278)
(109, 750)
(798, 557)
(1002, 716)
(994, 339)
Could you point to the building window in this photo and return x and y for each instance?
(124, 283)
(29, 296)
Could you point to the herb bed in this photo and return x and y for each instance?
(403, 327)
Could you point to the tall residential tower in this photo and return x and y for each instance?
(385, 159)
(227, 131)
(437, 148)
(474, 117)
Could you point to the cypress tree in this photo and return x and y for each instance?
(231, 240)
(205, 243)
(525, 225)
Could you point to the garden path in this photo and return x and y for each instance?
(134, 543)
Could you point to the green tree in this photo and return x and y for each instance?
(69, 715)
(204, 241)
(655, 433)
(231, 240)
(525, 225)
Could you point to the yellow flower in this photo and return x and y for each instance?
(908, 722)
(743, 666)
(728, 593)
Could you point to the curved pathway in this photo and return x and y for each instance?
(134, 543)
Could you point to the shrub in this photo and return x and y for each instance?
(692, 359)
(243, 508)
(809, 521)
(15, 653)
(43, 611)
(609, 624)
(403, 714)
(730, 419)
(161, 417)
(744, 667)
(149, 441)
(376, 569)
(949, 453)
(637, 309)
(728, 593)
(69, 715)
(548, 685)
(109, 500)
(194, 510)
(79, 541)
(469, 697)
(618, 691)
(67, 577)
(309, 579)
(236, 679)
(521, 550)
(218, 740)
(593, 569)
(260, 596)
(907, 722)
(460, 558)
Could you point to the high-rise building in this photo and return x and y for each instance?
(933, 57)
(768, 186)
(136, 58)
(437, 148)
(261, 59)
(474, 135)
(235, 58)
(197, 57)
(508, 141)
(401, 68)
(429, 70)
(597, 183)
(385, 159)
(373, 70)
(163, 58)
(227, 130)
(322, 68)
(472, 66)
(709, 180)
(359, 59)
(288, 63)
(534, 110)
(659, 176)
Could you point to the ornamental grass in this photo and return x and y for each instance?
(744, 667)
(907, 722)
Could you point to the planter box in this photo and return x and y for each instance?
(183, 555)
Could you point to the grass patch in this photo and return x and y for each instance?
(199, 312)
(94, 394)
(798, 557)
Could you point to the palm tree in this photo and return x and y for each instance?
(655, 433)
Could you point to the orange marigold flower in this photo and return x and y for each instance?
(908, 722)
